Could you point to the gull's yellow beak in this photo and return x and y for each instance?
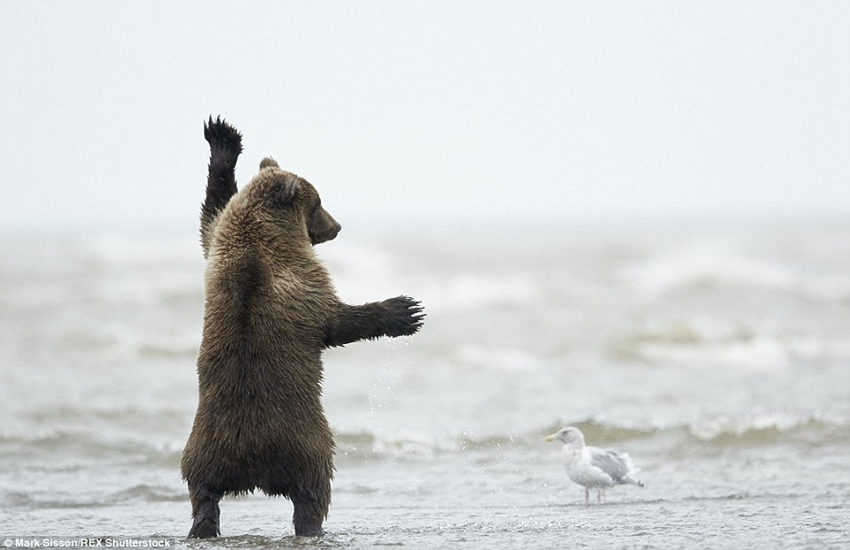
(551, 437)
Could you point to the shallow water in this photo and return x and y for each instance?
(718, 358)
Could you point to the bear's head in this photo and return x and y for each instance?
(283, 197)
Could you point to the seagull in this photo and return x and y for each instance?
(591, 466)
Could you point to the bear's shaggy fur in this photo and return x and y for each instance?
(270, 311)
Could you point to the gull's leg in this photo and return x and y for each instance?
(587, 495)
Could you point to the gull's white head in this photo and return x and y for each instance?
(568, 436)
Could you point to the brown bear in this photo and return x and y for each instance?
(270, 310)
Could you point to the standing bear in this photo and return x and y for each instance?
(270, 310)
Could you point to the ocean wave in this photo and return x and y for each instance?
(704, 266)
(754, 430)
(78, 447)
(768, 428)
(749, 430)
(755, 353)
(699, 340)
(69, 500)
(148, 493)
(707, 265)
(27, 500)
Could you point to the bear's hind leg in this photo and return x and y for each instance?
(311, 508)
(205, 513)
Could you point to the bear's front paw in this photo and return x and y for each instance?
(221, 135)
(404, 316)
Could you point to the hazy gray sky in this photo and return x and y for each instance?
(575, 110)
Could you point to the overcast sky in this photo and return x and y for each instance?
(436, 110)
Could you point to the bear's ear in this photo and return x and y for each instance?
(284, 192)
(268, 161)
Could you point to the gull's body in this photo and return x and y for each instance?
(592, 467)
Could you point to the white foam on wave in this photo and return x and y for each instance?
(721, 339)
(726, 262)
(706, 264)
(757, 353)
(103, 268)
(760, 421)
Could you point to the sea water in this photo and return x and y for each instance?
(718, 357)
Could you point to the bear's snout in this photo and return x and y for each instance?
(333, 230)
(323, 228)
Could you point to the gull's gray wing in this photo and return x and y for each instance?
(612, 463)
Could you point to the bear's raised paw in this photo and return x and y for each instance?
(404, 316)
(221, 135)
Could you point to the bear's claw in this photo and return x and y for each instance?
(221, 135)
(405, 316)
